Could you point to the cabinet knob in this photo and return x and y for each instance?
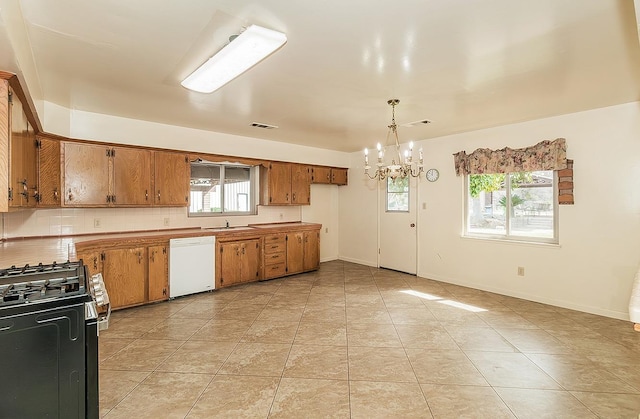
(158, 195)
(146, 194)
(70, 195)
(55, 194)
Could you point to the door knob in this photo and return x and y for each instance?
(412, 225)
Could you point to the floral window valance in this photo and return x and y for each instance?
(546, 155)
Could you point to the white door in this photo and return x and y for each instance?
(397, 219)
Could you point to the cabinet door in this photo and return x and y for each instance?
(250, 266)
(158, 273)
(295, 252)
(300, 185)
(86, 175)
(171, 179)
(131, 177)
(278, 184)
(124, 276)
(48, 172)
(230, 263)
(320, 174)
(311, 250)
(23, 174)
(93, 261)
(339, 176)
(5, 148)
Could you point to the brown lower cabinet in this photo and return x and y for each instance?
(238, 261)
(275, 256)
(133, 275)
(137, 272)
(303, 251)
(311, 256)
(158, 278)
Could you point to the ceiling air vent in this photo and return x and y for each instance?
(417, 123)
(263, 126)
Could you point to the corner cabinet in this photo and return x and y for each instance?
(285, 184)
(18, 180)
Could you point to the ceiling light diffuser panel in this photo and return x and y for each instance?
(246, 50)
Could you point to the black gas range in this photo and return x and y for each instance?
(50, 317)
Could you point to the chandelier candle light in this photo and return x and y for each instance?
(397, 168)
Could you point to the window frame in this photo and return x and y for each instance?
(253, 189)
(387, 193)
(509, 236)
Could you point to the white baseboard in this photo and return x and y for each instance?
(536, 298)
(358, 261)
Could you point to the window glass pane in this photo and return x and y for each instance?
(398, 194)
(532, 204)
(236, 189)
(486, 212)
(514, 205)
(205, 189)
(221, 189)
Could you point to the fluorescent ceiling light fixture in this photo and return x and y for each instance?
(246, 50)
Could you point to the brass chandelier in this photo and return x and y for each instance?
(398, 168)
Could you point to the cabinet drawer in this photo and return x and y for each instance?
(274, 239)
(275, 270)
(274, 247)
(272, 258)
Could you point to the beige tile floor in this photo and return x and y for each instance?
(349, 341)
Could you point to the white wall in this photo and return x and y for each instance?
(108, 128)
(593, 267)
(324, 209)
(83, 125)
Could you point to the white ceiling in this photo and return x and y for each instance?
(464, 64)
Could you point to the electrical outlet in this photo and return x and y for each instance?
(424, 205)
(97, 223)
(166, 222)
(281, 216)
(326, 230)
(520, 270)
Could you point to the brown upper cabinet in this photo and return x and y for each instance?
(172, 173)
(23, 179)
(285, 184)
(5, 136)
(320, 174)
(339, 176)
(329, 175)
(49, 171)
(97, 175)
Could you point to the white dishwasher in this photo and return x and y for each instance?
(191, 265)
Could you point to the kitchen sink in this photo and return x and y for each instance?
(233, 228)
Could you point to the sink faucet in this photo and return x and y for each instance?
(227, 221)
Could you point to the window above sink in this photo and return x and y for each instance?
(218, 189)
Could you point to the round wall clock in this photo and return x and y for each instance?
(433, 175)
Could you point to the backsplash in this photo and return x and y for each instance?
(72, 221)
